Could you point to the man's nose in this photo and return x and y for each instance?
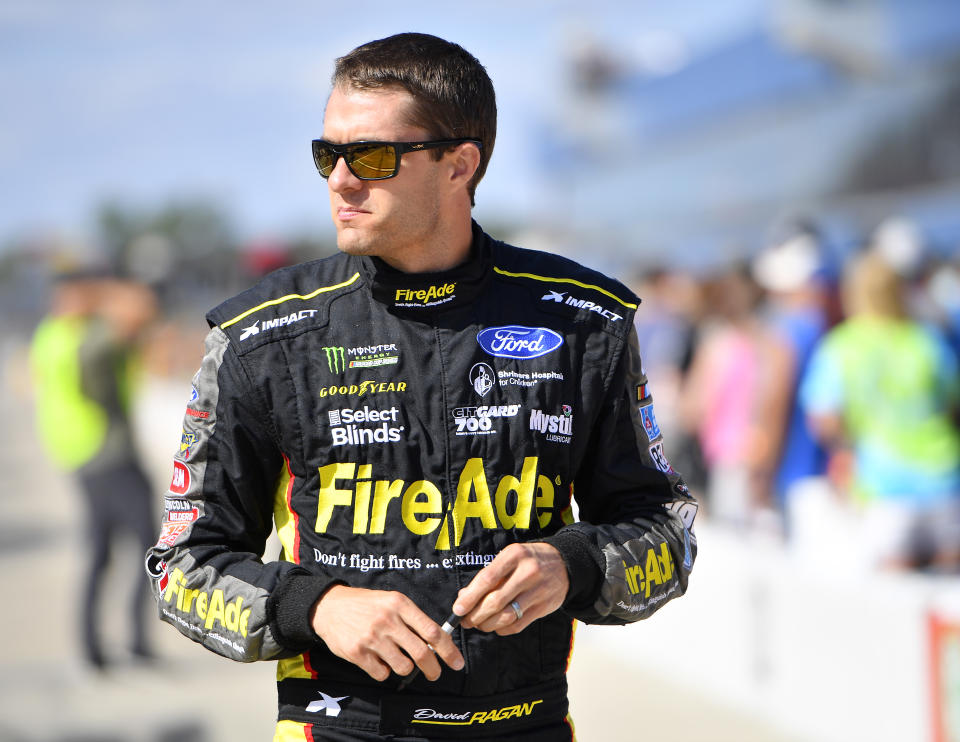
(341, 179)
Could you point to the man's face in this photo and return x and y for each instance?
(396, 218)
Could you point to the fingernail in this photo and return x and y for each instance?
(459, 609)
(458, 663)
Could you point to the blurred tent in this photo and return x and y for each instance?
(844, 108)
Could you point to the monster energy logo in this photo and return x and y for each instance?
(335, 358)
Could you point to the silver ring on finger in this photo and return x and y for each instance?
(517, 609)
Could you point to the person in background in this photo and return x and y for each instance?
(83, 359)
(729, 399)
(880, 392)
(791, 271)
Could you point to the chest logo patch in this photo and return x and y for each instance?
(517, 341)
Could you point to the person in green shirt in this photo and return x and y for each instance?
(82, 360)
(882, 391)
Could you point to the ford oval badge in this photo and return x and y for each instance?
(517, 341)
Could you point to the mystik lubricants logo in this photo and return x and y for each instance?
(335, 358)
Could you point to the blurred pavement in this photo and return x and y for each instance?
(192, 695)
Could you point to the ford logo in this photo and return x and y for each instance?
(516, 341)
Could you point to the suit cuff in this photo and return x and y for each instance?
(289, 606)
(582, 560)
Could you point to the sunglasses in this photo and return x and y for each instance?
(372, 160)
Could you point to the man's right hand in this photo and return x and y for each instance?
(380, 631)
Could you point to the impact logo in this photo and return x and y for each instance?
(517, 341)
(561, 298)
(326, 703)
(481, 378)
(257, 327)
(335, 358)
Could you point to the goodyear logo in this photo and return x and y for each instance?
(362, 389)
(349, 490)
(658, 569)
(467, 718)
(425, 297)
(209, 607)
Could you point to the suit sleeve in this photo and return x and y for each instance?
(206, 569)
(634, 546)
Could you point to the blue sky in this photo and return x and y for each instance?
(150, 102)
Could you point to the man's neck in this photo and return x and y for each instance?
(451, 249)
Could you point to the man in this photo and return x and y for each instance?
(82, 359)
(415, 414)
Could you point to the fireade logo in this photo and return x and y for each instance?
(364, 426)
(430, 296)
(657, 570)
(349, 492)
(210, 607)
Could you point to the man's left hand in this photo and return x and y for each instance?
(532, 575)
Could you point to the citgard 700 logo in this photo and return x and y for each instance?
(517, 341)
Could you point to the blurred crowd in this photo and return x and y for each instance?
(802, 398)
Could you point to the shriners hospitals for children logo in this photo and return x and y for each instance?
(481, 378)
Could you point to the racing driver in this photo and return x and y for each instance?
(418, 416)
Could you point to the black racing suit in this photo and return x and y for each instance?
(400, 430)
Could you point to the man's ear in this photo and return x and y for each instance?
(464, 161)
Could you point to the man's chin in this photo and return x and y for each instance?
(352, 243)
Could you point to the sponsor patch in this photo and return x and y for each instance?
(180, 482)
(187, 440)
(364, 426)
(649, 421)
(373, 356)
(519, 342)
(362, 389)
(157, 570)
(555, 428)
(481, 378)
(479, 420)
(428, 297)
(335, 358)
(643, 393)
(271, 324)
(562, 297)
(657, 570)
(179, 510)
(200, 414)
(660, 458)
(329, 704)
(527, 379)
(170, 532)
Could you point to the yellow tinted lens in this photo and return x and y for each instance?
(324, 159)
(372, 162)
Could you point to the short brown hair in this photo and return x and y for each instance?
(453, 95)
